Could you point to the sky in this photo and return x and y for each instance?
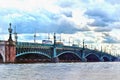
(95, 21)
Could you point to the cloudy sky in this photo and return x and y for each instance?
(95, 21)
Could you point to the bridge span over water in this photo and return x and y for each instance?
(13, 51)
(36, 52)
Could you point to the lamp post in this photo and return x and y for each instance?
(10, 41)
(55, 58)
(15, 33)
(35, 37)
(54, 40)
(10, 33)
(83, 44)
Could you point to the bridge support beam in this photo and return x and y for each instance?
(83, 56)
(55, 59)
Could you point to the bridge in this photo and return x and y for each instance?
(15, 52)
(36, 52)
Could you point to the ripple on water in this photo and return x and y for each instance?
(61, 71)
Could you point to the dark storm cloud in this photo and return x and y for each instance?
(102, 18)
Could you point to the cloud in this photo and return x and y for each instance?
(101, 17)
(102, 29)
(109, 38)
(66, 3)
(61, 16)
(44, 21)
(115, 25)
(67, 13)
(113, 1)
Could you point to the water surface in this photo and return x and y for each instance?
(61, 71)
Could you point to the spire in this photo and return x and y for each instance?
(10, 32)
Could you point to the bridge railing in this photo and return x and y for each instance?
(47, 45)
(31, 44)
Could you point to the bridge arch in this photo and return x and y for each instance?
(33, 53)
(2, 56)
(68, 56)
(92, 57)
(32, 57)
(106, 58)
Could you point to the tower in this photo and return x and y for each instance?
(10, 48)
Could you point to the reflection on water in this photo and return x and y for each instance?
(61, 71)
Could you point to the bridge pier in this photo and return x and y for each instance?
(10, 48)
(84, 59)
(83, 56)
(10, 52)
(55, 59)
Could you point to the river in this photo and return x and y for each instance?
(61, 71)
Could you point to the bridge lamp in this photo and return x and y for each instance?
(15, 33)
(10, 33)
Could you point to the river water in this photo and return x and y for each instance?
(61, 71)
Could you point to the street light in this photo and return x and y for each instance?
(10, 33)
(35, 37)
(15, 34)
